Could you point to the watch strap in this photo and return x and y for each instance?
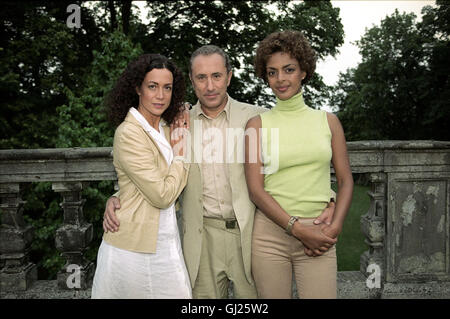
(291, 222)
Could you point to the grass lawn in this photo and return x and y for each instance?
(350, 243)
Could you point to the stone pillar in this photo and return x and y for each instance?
(73, 238)
(373, 225)
(16, 273)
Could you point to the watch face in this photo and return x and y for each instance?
(290, 224)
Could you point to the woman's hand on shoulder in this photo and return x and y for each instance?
(179, 133)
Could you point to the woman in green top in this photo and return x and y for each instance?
(290, 181)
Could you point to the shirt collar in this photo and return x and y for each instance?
(199, 111)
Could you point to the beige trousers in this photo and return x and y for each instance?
(221, 262)
(276, 256)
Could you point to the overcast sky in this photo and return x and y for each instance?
(356, 16)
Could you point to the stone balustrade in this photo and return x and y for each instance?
(406, 227)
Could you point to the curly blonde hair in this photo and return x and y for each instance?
(289, 41)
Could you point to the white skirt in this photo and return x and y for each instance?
(123, 274)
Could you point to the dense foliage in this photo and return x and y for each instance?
(401, 88)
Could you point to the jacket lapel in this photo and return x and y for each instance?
(130, 118)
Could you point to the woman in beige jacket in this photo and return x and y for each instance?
(144, 258)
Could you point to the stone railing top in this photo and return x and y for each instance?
(95, 152)
(56, 153)
(91, 152)
(95, 163)
(56, 165)
(398, 145)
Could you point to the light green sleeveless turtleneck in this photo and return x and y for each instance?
(298, 177)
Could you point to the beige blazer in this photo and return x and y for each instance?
(192, 200)
(147, 184)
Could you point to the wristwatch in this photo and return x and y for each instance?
(291, 222)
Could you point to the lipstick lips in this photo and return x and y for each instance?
(158, 105)
(283, 89)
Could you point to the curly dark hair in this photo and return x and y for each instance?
(123, 95)
(289, 41)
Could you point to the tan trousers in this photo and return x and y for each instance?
(221, 262)
(276, 256)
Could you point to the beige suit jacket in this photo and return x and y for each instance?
(147, 184)
(192, 201)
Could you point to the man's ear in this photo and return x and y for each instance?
(230, 74)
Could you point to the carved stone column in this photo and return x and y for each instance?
(373, 226)
(73, 238)
(16, 273)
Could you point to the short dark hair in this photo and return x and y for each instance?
(209, 50)
(289, 41)
(123, 95)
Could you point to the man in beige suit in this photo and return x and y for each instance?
(217, 213)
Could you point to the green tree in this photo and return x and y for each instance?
(43, 62)
(176, 29)
(82, 121)
(435, 27)
(39, 54)
(400, 90)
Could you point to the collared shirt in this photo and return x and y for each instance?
(217, 198)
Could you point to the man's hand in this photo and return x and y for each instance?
(110, 221)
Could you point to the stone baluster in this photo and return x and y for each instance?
(373, 226)
(73, 238)
(17, 273)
